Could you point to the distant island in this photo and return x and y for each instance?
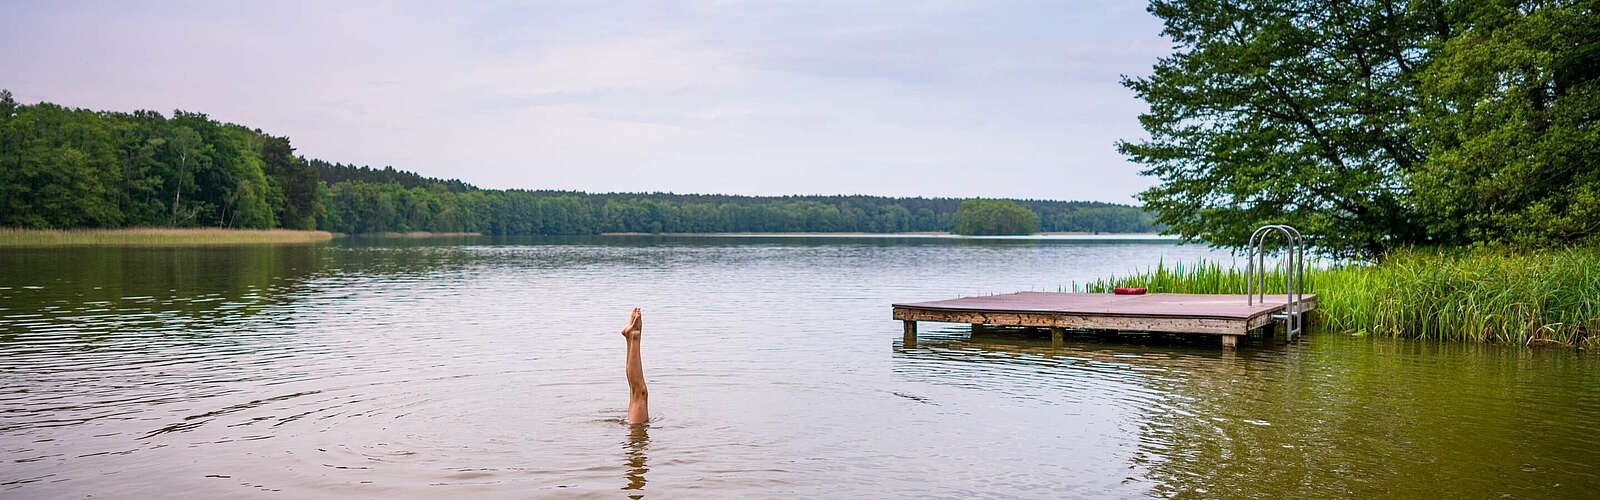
(69, 168)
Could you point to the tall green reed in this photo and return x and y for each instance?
(1481, 295)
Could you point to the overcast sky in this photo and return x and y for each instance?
(919, 98)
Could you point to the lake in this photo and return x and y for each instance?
(494, 368)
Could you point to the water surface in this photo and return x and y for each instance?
(424, 368)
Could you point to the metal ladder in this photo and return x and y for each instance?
(1256, 275)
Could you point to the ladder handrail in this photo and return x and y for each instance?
(1294, 278)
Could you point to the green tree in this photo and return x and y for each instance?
(1295, 112)
(10, 158)
(58, 168)
(1372, 124)
(185, 151)
(1511, 111)
(294, 180)
(140, 139)
(991, 217)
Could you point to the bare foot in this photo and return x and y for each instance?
(635, 326)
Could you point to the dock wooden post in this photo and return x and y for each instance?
(911, 332)
(1230, 341)
(1058, 336)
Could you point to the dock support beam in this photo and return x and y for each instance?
(911, 333)
(1230, 342)
(1058, 336)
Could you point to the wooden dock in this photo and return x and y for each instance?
(1227, 316)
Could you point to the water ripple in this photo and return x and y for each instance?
(364, 370)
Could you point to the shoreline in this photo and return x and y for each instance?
(913, 234)
(157, 237)
(184, 237)
(408, 234)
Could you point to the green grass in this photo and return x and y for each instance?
(1480, 295)
(156, 237)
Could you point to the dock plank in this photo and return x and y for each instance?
(1160, 312)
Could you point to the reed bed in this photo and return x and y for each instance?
(1491, 295)
(157, 237)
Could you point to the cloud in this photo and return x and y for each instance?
(921, 98)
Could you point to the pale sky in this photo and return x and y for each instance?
(999, 99)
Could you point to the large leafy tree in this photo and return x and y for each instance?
(1286, 112)
(1511, 120)
(1375, 123)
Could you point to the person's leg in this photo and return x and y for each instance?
(638, 407)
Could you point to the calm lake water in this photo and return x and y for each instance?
(426, 368)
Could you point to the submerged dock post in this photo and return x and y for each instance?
(1058, 336)
(911, 333)
(1230, 341)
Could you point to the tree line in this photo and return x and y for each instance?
(77, 168)
(1376, 124)
(362, 207)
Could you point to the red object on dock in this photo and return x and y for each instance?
(1128, 291)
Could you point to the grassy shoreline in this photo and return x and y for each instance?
(1478, 295)
(157, 237)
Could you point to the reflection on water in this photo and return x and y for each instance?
(1327, 416)
(417, 368)
(638, 464)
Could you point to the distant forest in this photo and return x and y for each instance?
(77, 168)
